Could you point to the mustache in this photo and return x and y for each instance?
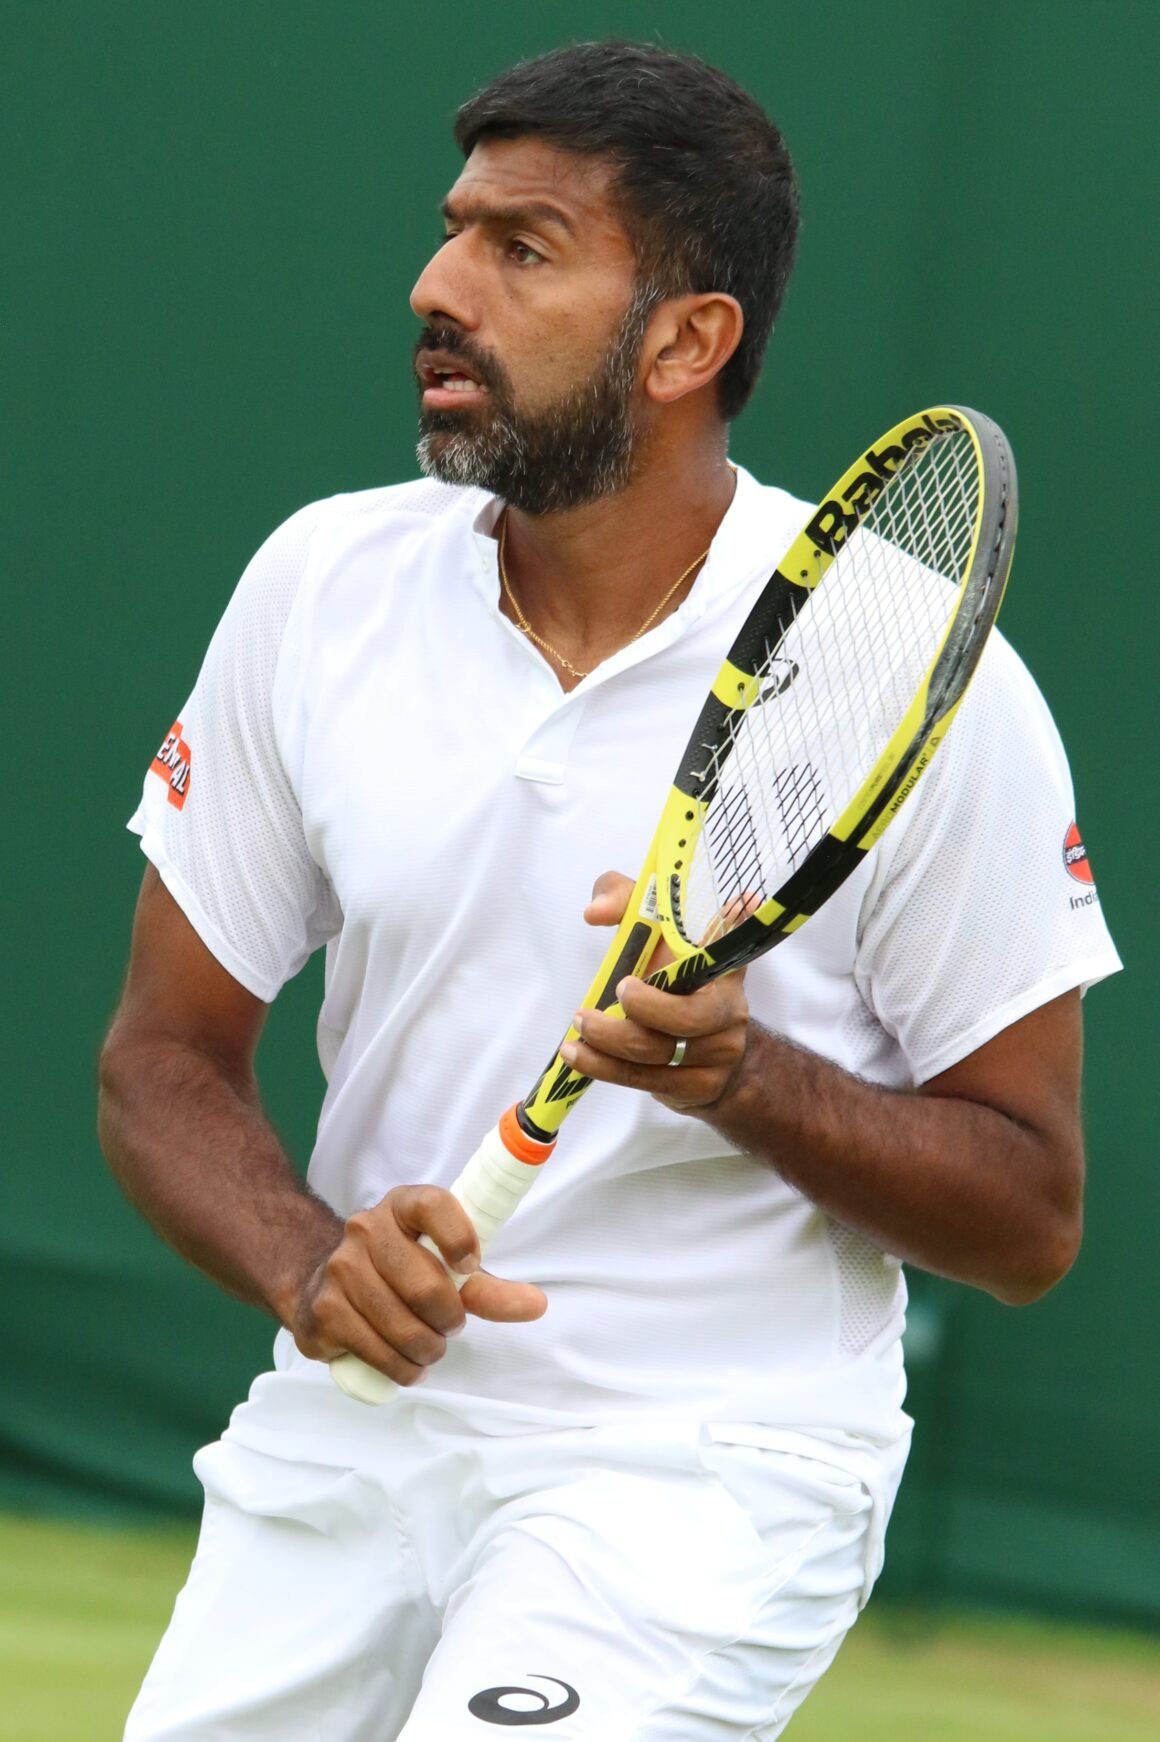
(449, 339)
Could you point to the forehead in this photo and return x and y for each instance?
(561, 186)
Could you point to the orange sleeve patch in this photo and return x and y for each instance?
(1075, 859)
(172, 762)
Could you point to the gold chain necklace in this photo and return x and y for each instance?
(547, 647)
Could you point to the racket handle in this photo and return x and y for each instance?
(501, 1171)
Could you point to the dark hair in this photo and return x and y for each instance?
(705, 183)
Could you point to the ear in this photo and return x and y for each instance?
(689, 341)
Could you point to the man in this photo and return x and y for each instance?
(647, 1500)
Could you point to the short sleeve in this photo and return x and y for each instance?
(219, 816)
(983, 905)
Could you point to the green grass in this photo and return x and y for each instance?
(81, 1610)
(985, 1679)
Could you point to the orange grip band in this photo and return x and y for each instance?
(517, 1142)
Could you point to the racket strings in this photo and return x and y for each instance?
(836, 688)
(800, 807)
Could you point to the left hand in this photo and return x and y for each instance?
(635, 1050)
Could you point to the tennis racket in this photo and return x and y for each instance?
(822, 720)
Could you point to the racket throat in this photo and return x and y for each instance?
(530, 1130)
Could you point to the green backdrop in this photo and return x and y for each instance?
(213, 214)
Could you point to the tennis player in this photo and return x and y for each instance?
(643, 1494)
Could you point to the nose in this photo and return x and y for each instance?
(442, 293)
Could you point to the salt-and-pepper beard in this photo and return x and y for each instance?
(575, 451)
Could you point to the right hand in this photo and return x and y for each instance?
(385, 1298)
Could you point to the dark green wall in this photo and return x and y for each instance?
(212, 216)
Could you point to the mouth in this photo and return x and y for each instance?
(445, 381)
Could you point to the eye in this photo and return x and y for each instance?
(524, 254)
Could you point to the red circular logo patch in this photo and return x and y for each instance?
(1075, 857)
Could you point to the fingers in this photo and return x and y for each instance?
(383, 1297)
(637, 1050)
(712, 1007)
(426, 1210)
(492, 1297)
(610, 894)
(429, 1210)
(389, 1300)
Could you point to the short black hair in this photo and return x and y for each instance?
(705, 183)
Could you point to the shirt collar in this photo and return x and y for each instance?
(750, 540)
(743, 543)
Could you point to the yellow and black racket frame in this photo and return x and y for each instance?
(655, 908)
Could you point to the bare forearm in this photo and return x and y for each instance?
(952, 1185)
(194, 1152)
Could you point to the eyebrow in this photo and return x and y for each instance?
(529, 212)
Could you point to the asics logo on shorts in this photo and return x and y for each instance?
(488, 1704)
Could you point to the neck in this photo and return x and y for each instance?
(586, 580)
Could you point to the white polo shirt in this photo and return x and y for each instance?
(374, 759)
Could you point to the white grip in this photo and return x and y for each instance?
(489, 1188)
(492, 1184)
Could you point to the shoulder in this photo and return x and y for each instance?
(390, 509)
(769, 514)
(1000, 789)
(422, 503)
(395, 532)
(371, 530)
(1006, 706)
(761, 523)
(776, 503)
(1003, 697)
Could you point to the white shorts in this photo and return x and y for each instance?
(646, 1584)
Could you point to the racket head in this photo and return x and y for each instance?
(827, 710)
(837, 692)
